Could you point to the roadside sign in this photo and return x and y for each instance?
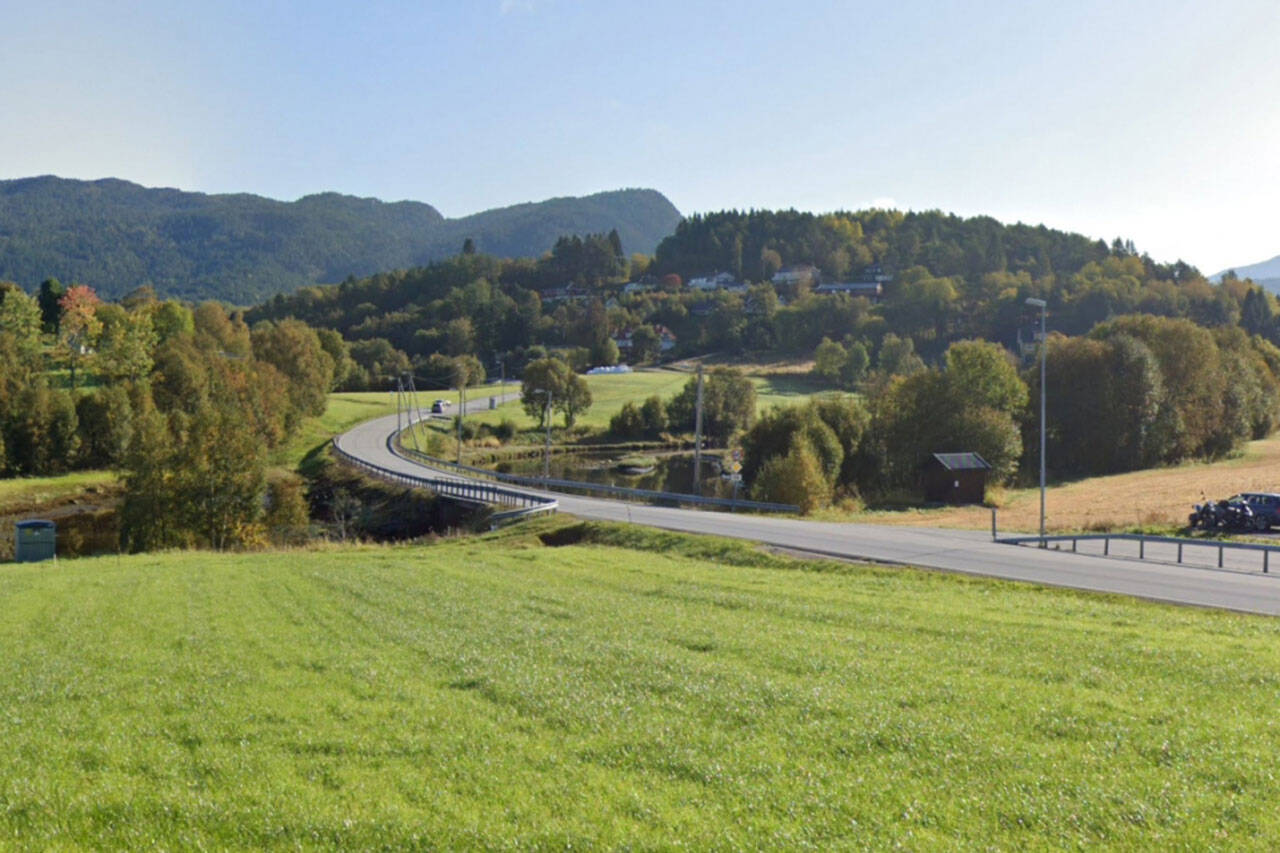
(737, 454)
(735, 478)
(735, 467)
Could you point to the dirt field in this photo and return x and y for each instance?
(1154, 498)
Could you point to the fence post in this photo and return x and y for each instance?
(1179, 552)
(993, 518)
(1106, 546)
(1220, 550)
(1142, 547)
(1266, 560)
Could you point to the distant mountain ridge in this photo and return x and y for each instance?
(116, 235)
(1265, 273)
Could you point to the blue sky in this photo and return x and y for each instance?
(1159, 122)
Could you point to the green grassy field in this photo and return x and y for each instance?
(344, 411)
(610, 392)
(496, 692)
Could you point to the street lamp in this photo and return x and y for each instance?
(1044, 354)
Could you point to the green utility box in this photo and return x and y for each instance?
(36, 540)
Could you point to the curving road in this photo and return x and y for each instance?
(1241, 588)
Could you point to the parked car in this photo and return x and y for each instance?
(1265, 506)
(440, 405)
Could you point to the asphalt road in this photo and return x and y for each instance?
(1240, 586)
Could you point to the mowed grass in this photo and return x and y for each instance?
(1154, 498)
(610, 392)
(494, 692)
(344, 410)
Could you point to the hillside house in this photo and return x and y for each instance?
(795, 275)
(872, 290)
(718, 281)
(666, 340)
(568, 293)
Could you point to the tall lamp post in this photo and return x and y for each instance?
(1044, 354)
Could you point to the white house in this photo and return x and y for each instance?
(791, 276)
(718, 281)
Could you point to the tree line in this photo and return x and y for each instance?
(1137, 391)
(186, 402)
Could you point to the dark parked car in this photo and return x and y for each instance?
(440, 405)
(1265, 506)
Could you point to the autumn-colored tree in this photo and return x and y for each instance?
(79, 327)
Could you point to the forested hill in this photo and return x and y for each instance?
(116, 235)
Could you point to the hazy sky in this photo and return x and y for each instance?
(1156, 121)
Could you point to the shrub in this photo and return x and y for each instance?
(653, 415)
(795, 478)
(505, 430)
(628, 422)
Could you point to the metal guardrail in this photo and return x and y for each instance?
(1181, 545)
(525, 505)
(570, 485)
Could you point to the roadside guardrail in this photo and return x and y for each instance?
(524, 504)
(1164, 549)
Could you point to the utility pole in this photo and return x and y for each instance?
(1044, 357)
(399, 389)
(462, 408)
(415, 412)
(697, 439)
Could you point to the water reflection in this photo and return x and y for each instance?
(672, 472)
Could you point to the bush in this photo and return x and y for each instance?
(780, 430)
(653, 416)
(795, 478)
(505, 430)
(628, 422)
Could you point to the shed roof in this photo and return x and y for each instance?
(962, 461)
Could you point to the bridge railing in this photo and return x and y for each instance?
(523, 504)
(598, 488)
(1159, 548)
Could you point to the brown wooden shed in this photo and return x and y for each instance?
(955, 478)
